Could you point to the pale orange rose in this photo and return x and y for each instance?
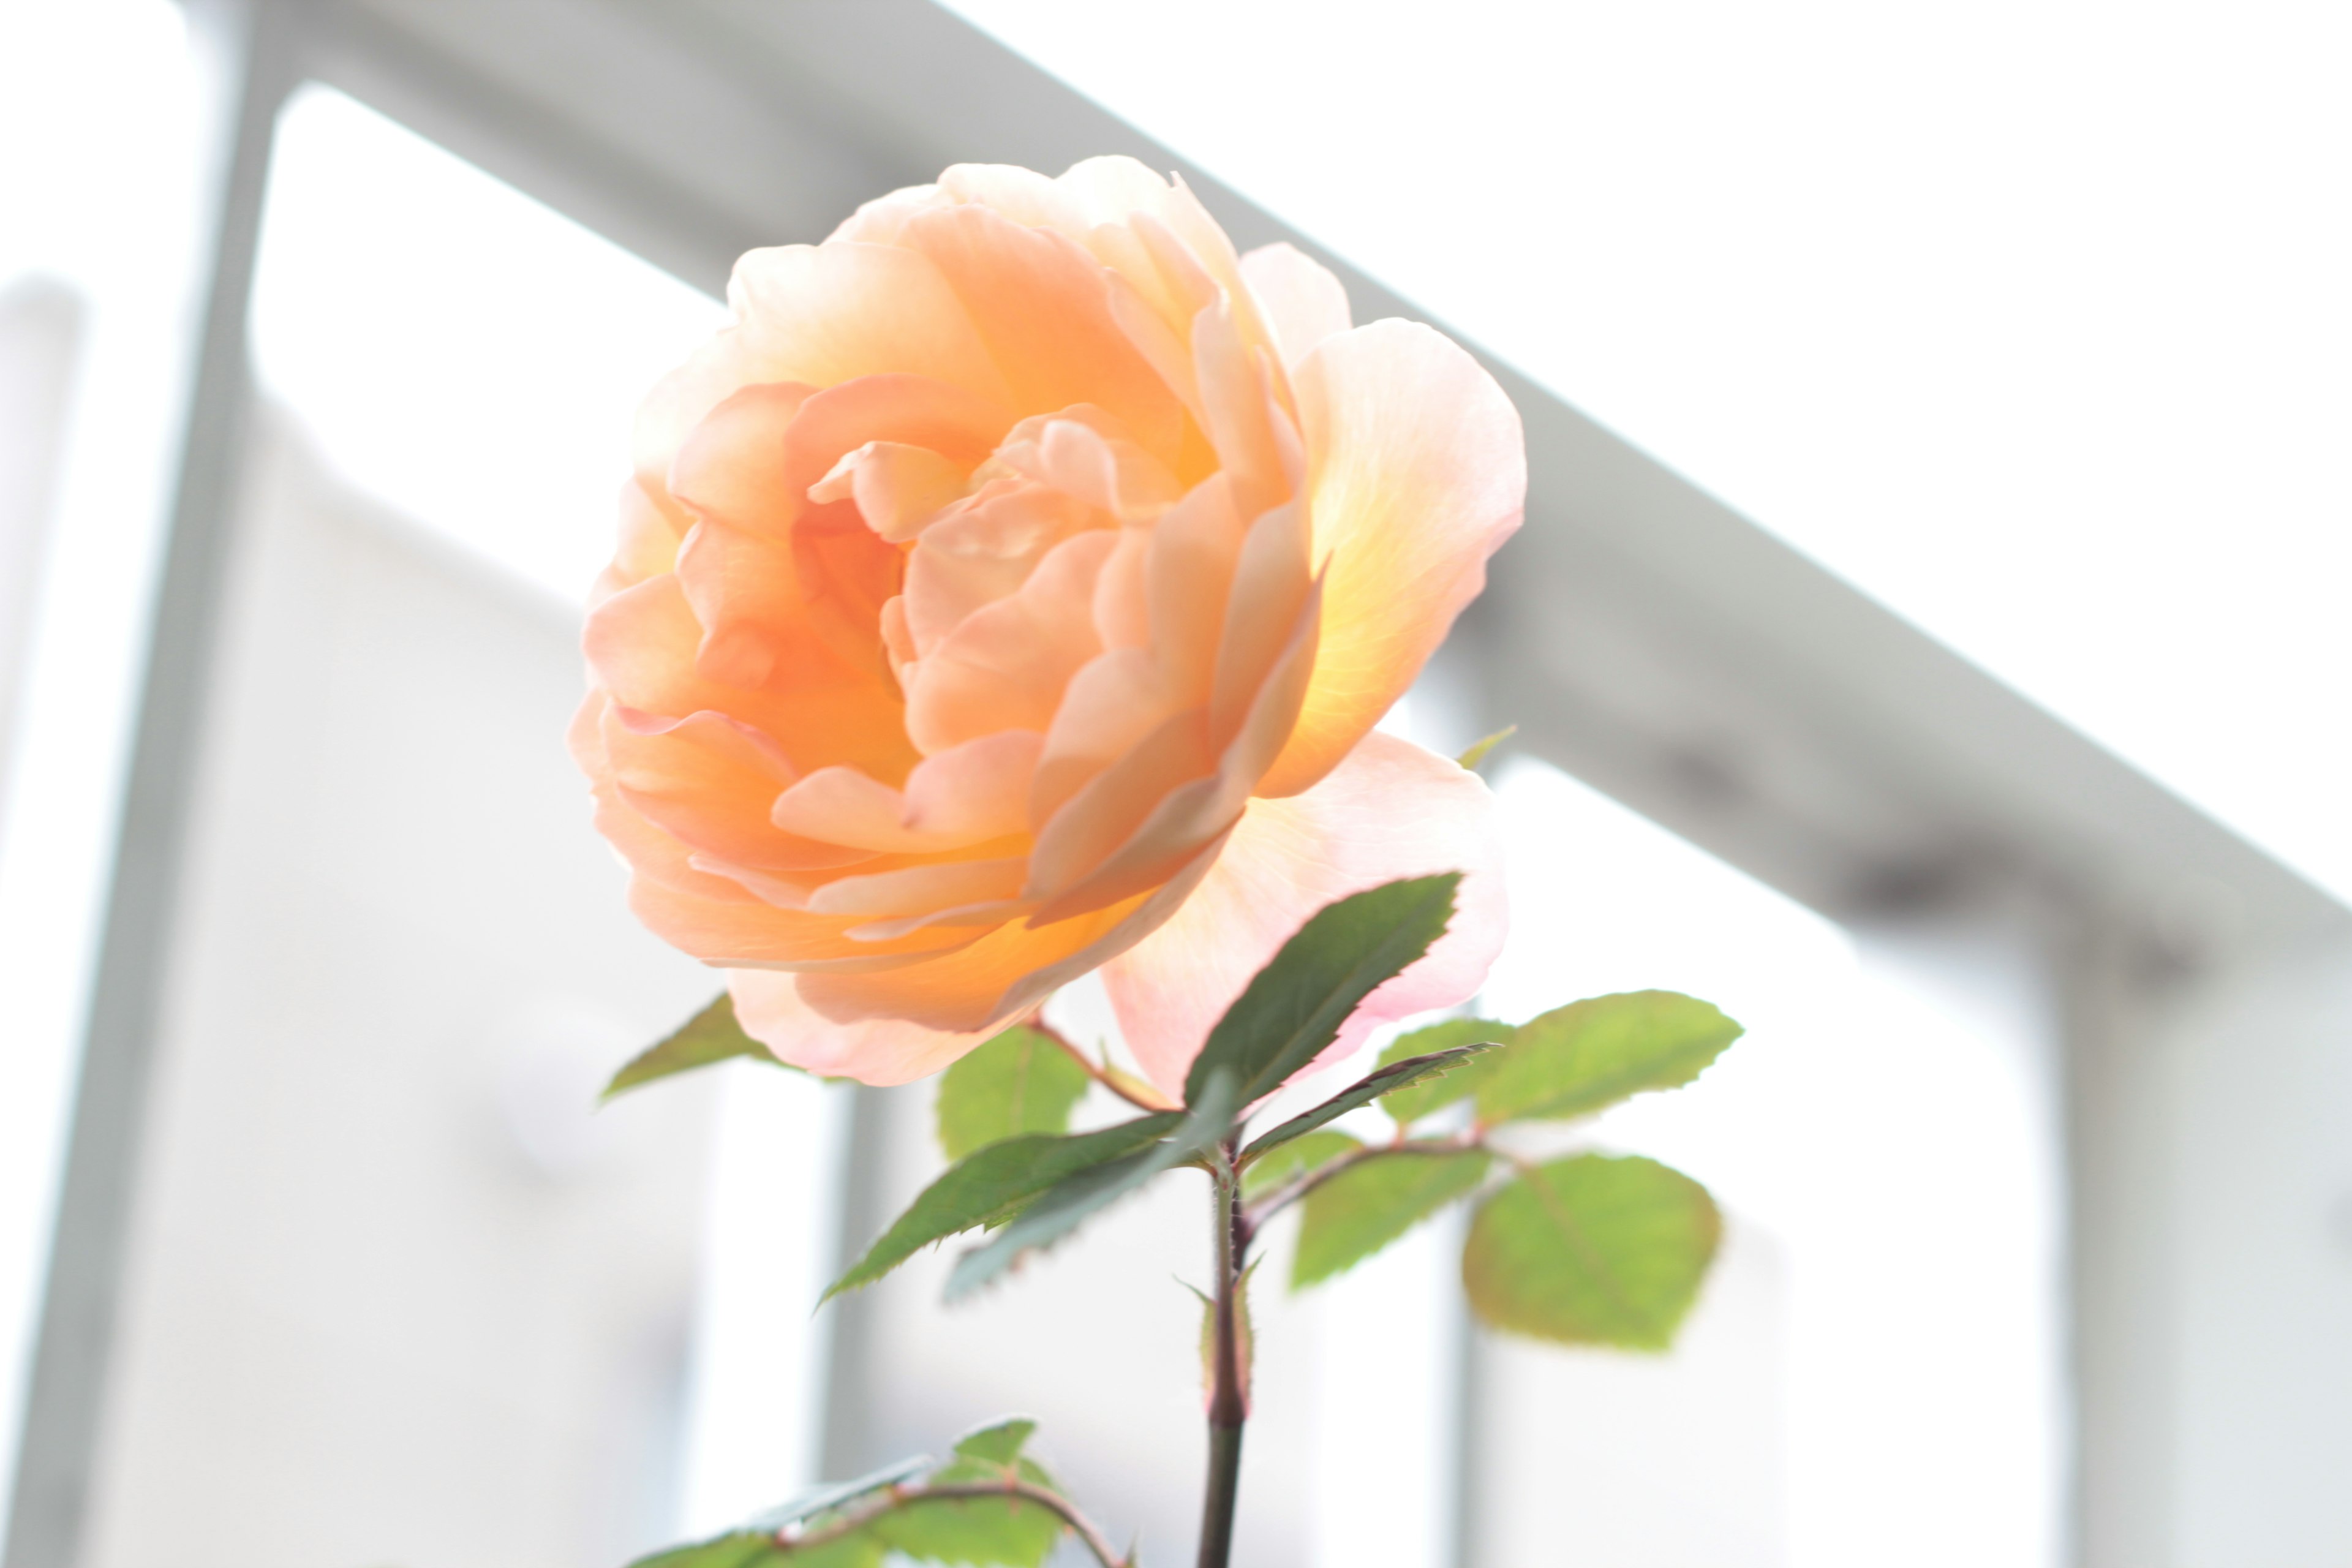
(1010, 590)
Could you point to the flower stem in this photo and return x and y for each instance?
(1228, 1402)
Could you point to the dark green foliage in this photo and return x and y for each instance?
(710, 1036)
(1363, 1208)
(1019, 1082)
(1589, 1055)
(1408, 1102)
(1392, 1075)
(1592, 1249)
(1295, 1005)
(1066, 1206)
(997, 1181)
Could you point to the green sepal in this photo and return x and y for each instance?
(1478, 750)
(1293, 1159)
(1019, 1082)
(1589, 1055)
(1594, 1249)
(1294, 1007)
(710, 1036)
(753, 1543)
(1363, 1208)
(1066, 1206)
(1389, 1077)
(1407, 1103)
(994, 1181)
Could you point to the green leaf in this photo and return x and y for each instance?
(996, 1181)
(1388, 1077)
(1592, 1249)
(858, 1549)
(1407, 1103)
(1294, 1159)
(1009, 1531)
(1069, 1204)
(1295, 1005)
(998, 1442)
(827, 1496)
(710, 1036)
(1373, 1202)
(1576, 1060)
(1019, 1082)
(737, 1549)
(1478, 749)
(753, 1544)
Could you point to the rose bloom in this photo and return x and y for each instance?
(1012, 591)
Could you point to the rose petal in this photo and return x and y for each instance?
(1417, 472)
(880, 1051)
(1005, 667)
(1390, 810)
(1302, 302)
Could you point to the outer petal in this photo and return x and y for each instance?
(1390, 810)
(1302, 302)
(876, 1050)
(1417, 472)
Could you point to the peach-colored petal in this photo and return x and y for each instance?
(981, 985)
(1302, 302)
(965, 795)
(1390, 810)
(1417, 472)
(826, 314)
(1109, 810)
(897, 487)
(1042, 307)
(1195, 547)
(709, 782)
(880, 1051)
(1272, 583)
(1111, 704)
(757, 934)
(920, 890)
(982, 550)
(1239, 409)
(1189, 814)
(1005, 667)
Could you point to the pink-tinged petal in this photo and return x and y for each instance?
(1005, 667)
(644, 849)
(880, 1051)
(897, 487)
(1417, 472)
(1041, 304)
(966, 796)
(1300, 300)
(1391, 810)
(824, 314)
